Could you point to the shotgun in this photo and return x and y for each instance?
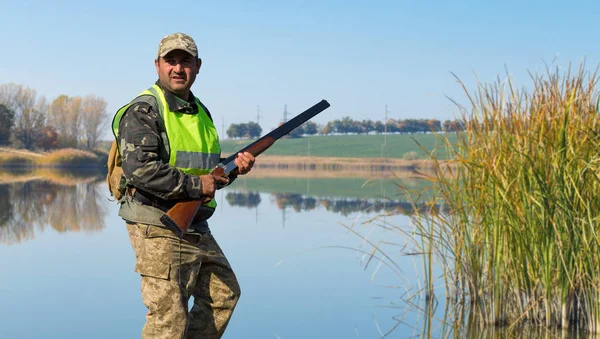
(181, 215)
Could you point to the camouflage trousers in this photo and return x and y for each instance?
(172, 271)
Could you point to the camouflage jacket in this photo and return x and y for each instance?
(145, 155)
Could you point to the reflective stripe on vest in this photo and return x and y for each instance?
(193, 140)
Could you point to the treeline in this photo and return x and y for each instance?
(347, 125)
(32, 122)
(244, 130)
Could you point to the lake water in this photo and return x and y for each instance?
(68, 264)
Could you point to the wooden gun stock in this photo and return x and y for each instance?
(181, 215)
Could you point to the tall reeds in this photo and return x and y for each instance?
(518, 238)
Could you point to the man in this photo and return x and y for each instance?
(169, 146)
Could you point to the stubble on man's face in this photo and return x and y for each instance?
(177, 72)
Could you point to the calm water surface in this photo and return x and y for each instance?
(68, 265)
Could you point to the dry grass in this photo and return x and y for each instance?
(59, 158)
(52, 175)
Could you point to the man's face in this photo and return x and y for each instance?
(177, 71)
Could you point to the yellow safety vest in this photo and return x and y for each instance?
(193, 140)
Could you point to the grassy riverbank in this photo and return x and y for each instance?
(10, 157)
(337, 150)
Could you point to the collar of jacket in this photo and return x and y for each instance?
(177, 104)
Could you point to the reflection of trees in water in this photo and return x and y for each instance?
(296, 201)
(243, 199)
(35, 205)
(344, 206)
(6, 209)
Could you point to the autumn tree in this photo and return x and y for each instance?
(57, 115)
(65, 116)
(29, 112)
(93, 119)
(326, 129)
(48, 138)
(7, 120)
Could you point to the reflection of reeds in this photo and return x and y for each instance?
(521, 242)
(457, 321)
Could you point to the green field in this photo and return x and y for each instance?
(351, 146)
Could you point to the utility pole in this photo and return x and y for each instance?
(223, 127)
(385, 127)
(258, 115)
(285, 114)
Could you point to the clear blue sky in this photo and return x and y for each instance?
(359, 55)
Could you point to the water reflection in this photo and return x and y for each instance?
(338, 205)
(32, 201)
(447, 320)
(248, 199)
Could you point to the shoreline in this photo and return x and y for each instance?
(266, 165)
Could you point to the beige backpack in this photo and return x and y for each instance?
(115, 178)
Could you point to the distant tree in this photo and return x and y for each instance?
(358, 127)
(379, 127)
(29, 127)
(311, 128)
(392, 126)
(296, 132)
(233, 131)
(7, 121)
(94, 119)
(48, 138)
(326, 129)
(346, 125)
(434, 125)
(254, 130)
(453, 126)
(367, 126)
(29, 112)
(57, 115)
(65, 115)
(243, 131)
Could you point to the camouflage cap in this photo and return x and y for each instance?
(177, 41)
